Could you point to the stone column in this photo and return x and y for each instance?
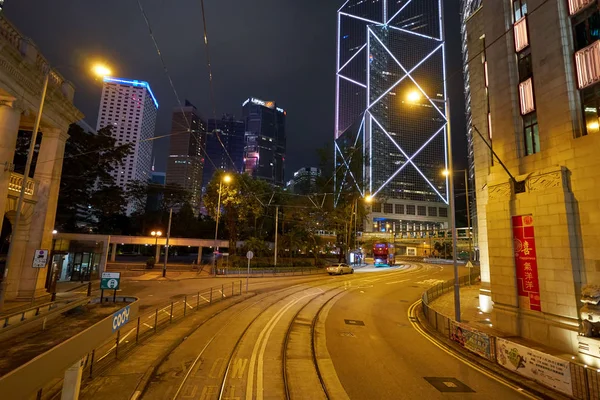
(10, 116)
(104, 258)
(199, 260)
(72, 382)
(47, 175)
(113, 253)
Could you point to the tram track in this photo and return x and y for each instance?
(271, 308)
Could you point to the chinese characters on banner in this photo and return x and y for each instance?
(526, 260)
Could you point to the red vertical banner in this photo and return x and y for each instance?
(526, 260)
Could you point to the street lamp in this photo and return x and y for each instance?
(21, 199)
(413, 97)
(101, 70)
(447, 173)
(156, 235)
(226, 179)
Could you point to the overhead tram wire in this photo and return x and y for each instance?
(162, 61)
(486, 47)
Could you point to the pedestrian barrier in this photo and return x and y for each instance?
(272, 271)
(570, 378)
(144, 326)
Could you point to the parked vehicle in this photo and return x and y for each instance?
(340, 269)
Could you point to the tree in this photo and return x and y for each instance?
(87, 187)
(240, 203)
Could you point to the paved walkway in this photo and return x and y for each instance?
(472, 316)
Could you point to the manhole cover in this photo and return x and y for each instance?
(347, 334)
(354, 322)
(448, 385)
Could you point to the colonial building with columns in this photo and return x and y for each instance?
(22, 73)
(534, 82)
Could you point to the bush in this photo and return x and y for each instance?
(150, 263)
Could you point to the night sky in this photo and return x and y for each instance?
(282, 50)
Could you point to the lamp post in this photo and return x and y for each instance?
(21, 199)
(226, 179)
(469, 236)
(414, 97)
(156, 235)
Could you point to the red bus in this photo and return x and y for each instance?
(383, 254)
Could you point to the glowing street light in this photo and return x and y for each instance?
(156, 235)
(369, 199)
(226, 179)
(101, 70)
(413, 96)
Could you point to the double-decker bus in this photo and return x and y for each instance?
(383, 254)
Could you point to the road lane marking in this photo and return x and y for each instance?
(149, 326)
(205, 299)
(239, 366)
(114, 345)
(416, 324)
(391, 283)
(255, 350)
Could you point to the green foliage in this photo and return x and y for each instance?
(240, 205)
(88, 195)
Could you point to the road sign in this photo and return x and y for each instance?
(120, 318)
(249, 255)
(40, 259)
(469, 264)
(110, 280)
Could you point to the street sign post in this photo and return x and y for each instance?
(470, 268)
(40, 258)
(110, 281)
(249, 256)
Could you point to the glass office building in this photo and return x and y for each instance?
(390, 126)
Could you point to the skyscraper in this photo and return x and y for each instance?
(186, 155)
(264, 153)
(129, 106)
(224, 146)
(304, 181)
(390, 125)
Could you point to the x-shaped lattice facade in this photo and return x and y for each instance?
(385, 142)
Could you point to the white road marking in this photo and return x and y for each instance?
(149, 326)
(391, 283)
(114, 345)
(205, 299)
(268, 327)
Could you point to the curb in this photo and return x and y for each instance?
(533, 387)
(142, 385)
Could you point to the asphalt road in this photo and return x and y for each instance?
(334, 337)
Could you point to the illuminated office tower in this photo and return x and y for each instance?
(130, 107)
(265, 140)
(390, 120)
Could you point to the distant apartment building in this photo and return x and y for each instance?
(535, 99)
(186, 154)
(304, 181)
(224, 146)
(130, 108)
(265, 140)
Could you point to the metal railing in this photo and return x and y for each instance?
(585, 381)
(151, 322)
(271, 271)
(16, 182)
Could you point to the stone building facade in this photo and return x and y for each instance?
(532, 82)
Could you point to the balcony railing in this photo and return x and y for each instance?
(521, 37)
(587, 62)
(16, 182)
(577, 5)
(526, 97)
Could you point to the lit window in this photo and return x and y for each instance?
(532, 135)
